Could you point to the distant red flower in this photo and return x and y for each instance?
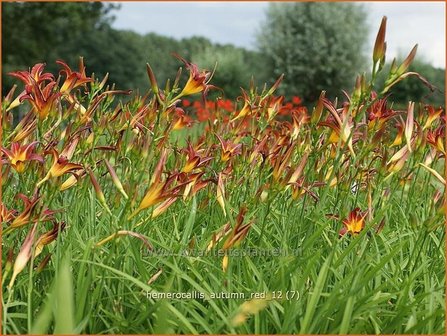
(296, 100)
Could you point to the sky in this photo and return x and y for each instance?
(237, 23)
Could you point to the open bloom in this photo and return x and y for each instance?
(436, 139)
(35, 75)
(73, 79)
(43, 99)
(378, 113)
(60, 166)
(433, 114)
(198, 81)
(40, 94)
(229, 149)
(18, 155)
(354, 223)
(196, 159)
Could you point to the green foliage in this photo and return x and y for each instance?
(413, 89)
(235, 67)
(317, 45)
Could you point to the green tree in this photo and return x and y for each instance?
(34, 32)
(318, 46)
(235, 67)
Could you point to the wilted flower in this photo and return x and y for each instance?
(48, 237)
(6, 215)
(237, 235)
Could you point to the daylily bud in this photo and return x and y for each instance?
(24, 255)
(115, 179)
(405, 65)
(9, 260)
(98, 191)
(220, 196)
(409, 125)
(379, 46)
(43, 263)
(318, 110)
(152, 78)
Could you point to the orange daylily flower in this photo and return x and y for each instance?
(18, 155)
(246, 109)
(60, 166)
(433, 114)
(73, 79)
(229, 149)
(354, 223)
(25, 216)
(28, 214)
(378, 113)
(196, 159)
(198, 81)
(436, 139)
(43, 99)
(35, 75)
(182, 121)
(6, 215)
(159, 190)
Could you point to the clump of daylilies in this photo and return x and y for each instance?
(259, 149)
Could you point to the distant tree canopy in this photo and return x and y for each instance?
(319, 46)
(35, 32)
(50, 31)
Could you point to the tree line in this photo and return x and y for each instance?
(317, 45)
